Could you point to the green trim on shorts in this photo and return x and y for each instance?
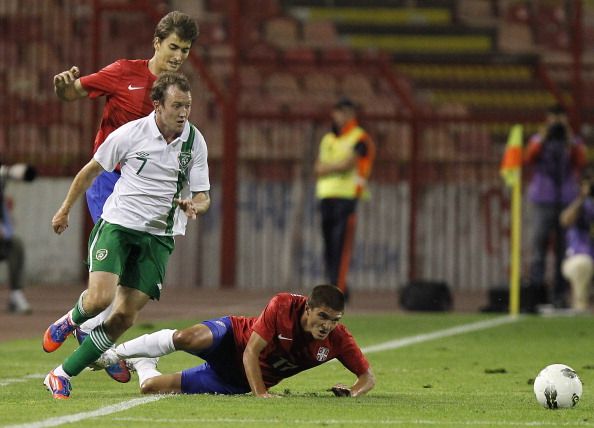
(138, 258)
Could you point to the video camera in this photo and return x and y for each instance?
(17, 172)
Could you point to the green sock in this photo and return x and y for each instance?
(92, 347)
(79, 315)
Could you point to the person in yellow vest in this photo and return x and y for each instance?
(343, 166)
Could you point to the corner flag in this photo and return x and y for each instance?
(511, 164)
(511, 171)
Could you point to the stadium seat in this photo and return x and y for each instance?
(262, 53)
(282, 32)
(337, 54)
(282, 87)
(260, 10)
(320, 85)
(300, 54)
(23, 81)
(194, 8)
(320, 34)
(357, 85)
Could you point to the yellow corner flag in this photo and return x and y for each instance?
(511, 171)
(511, 165)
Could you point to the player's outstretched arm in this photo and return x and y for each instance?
(251, 363)
(67, 85)
(364, 384)
(81, 182)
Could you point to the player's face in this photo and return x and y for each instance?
(171, 52)
(174, 111)
(321, 321)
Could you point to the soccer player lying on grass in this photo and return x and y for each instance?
(293, 333)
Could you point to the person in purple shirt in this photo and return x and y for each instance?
(578, 266)
(556, 158)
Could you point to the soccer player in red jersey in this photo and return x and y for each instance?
(126, 85)
(293, 333)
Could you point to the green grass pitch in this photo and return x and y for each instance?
(481, 378)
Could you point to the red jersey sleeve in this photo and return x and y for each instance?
(265, 325)
(349, 354)
(103, 82)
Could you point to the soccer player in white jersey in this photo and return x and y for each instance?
(164, 181)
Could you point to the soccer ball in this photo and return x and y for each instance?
(558, 386)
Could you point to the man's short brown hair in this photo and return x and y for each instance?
(179, 23)
(165, 80)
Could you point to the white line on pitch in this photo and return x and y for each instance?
(107, 410)
(392, 344)
(440, 334)
(355, 422)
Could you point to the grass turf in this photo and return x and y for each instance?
(481, 378)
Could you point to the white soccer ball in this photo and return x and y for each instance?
(557, 387)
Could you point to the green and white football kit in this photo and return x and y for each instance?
(135, 236)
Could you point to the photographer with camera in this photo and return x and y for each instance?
(578, 266)
(557, 158)
(11, 246)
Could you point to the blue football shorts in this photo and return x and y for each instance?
(99, 191)
(219, 374)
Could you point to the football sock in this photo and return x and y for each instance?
(91, 323)
(59, 371)
(148, 345)
(146, 369)
(92, 347)
(79, 315)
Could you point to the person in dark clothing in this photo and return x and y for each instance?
(556, 158)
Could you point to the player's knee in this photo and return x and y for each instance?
(184, 340)
(117, 323)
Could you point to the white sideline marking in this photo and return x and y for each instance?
(392, 344)
(10, 381)
(439, 334)
(108, 410)
(357, 422)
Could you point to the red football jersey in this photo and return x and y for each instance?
(127, 85)
(290, 349)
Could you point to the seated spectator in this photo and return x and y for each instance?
(13, 252)
(578, 265)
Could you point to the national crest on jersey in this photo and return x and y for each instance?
(322, 354)
(184, 159)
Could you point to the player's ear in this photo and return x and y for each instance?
(156, 42)
(156, 105)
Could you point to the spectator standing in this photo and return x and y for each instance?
(556, 158)
(343, 166)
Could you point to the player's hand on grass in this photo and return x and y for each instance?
(341, 390)
(60, 221)
(66, 78)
